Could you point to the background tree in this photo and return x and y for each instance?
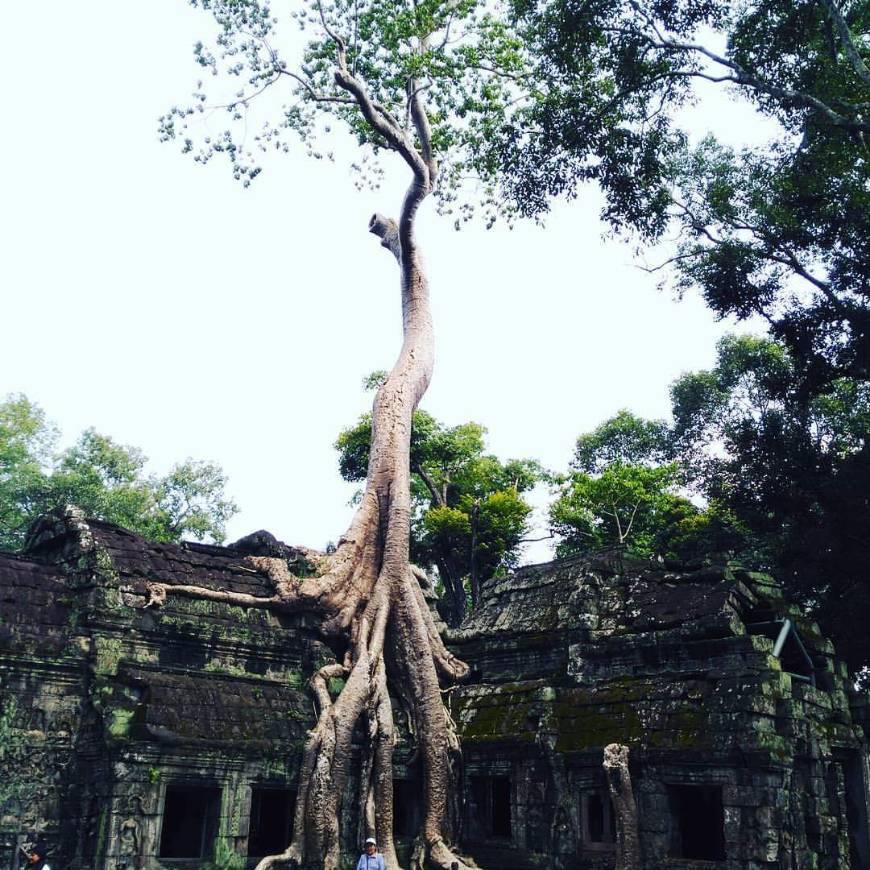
(622, 505)
(779, 231)
(105, 479)
(425, 82)
(27, 440)
(795, 472)
(626, 489)
(777, 482)
(624, 438)
(775, 434)
(469, 513)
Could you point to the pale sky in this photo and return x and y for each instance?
(163, 304)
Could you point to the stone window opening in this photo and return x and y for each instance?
(598, 821)
(491, 796)
(271, 820)
(697, 822)
(190, 820)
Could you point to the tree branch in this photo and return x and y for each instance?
(430, 485)
(670, 261)
(378, 117)
(382, 123)
(845, 34)
(340, 48)
(158, 592)
(421, 124)
(615, 516)
(319, 98)
(744, 77)
(388, 232)
(631, 521)
(786, 258)
(243, 100)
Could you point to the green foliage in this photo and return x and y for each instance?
(105, 479)
(778, 481)
(26, 443)
(625, 504)
(470, 515)
(190, 502)
(624, 438)
(459, 56)
(794, 469)
(626, 487)
(481, 534)
(780, 230)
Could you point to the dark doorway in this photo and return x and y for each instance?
(491, 799)
(190, 821)
(406, 804)
(501, 806)
(697, 822)
(271, 822)
(857, 805)
(479, 827)
(599, 821)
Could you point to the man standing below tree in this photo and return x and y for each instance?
(370, 859)
(36, 857)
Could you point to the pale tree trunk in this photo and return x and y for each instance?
(622, 797)
(368, 592)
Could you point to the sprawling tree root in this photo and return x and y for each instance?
(369, 594)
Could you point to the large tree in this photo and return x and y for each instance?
(779, 231)
(778, 483)
(795, 473)
(105, 479)
(775, 433)
(470, 516)
(425, 81)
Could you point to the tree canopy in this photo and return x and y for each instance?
(780, 231)
(105, 479)
(470, 513)
(748, 471)
(796, 473)
(369, 66)
(626, 488)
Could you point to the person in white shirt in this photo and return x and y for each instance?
(36, 859)
(371, 859)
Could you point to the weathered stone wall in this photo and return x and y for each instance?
(107, 703)
(679, 666)
(114, 716)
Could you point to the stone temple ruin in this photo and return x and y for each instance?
(135, 737)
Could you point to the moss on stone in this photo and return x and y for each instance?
(604, 720)
(504, 713)
(107, 655)
(335, 685)
(216, 666)
(119, 726)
